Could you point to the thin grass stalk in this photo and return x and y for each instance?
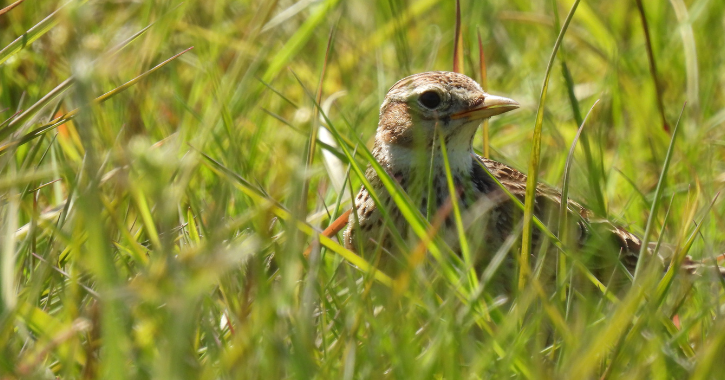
(679, 256)
(652, 65)
(311, 147)
(656, 201)
(595, 172)
(458, 41)
(462, 239)
(531, 181)
(484, 84)
(564, 208)
(10, 7)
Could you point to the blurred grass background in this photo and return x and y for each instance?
(127, 254)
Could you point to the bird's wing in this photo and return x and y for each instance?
(549, 198)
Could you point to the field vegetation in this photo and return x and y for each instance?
(157, 200)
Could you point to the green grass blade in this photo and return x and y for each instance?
(563, 213)
(564, 209)
(679, 256)
(462, 239)
(656, 200)
(594, 177)
(532, 179)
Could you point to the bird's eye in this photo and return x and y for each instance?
(430, 99)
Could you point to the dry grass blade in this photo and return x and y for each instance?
(334, 227)
(652, 64)
(458, 41)
(484, 85)
(10, 7)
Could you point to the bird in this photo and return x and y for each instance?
(425, 111)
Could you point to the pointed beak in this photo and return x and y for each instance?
(492, 106)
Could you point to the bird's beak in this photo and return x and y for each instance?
(492, 106)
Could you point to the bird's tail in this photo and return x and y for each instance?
(703, 267)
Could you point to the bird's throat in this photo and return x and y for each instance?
(421, 158)
(414, 161)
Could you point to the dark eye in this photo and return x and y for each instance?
(430, 99)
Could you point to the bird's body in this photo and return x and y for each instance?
(418, 112)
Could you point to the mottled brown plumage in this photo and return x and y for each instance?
(418, 112)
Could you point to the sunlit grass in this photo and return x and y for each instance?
(160, 232)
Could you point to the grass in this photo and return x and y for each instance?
(159, 231)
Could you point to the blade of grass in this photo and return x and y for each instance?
(458, 42)
(564, 209)
(32, 110)
(595, 177)
(652, 64)
(563, 214)
(679, 256)
(10, 7)
(7, 255)
(311, 147)
(531, 181)
(484, 85)
(462, 239)
(656, 200)
(552, 237)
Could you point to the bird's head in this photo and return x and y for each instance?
(442, 104)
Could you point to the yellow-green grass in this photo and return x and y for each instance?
(154, 219)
